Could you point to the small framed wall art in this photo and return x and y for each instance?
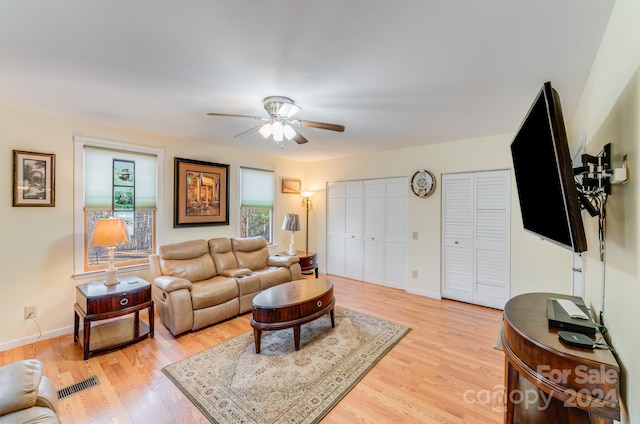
(201, 193)
(33, 179)
(291, 186)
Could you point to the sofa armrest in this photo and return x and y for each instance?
(47, 395)
(285, 261)
(168, 283)
(19, 382)
(235, 272)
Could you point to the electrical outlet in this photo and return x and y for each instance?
(30, 312)
(414, 274)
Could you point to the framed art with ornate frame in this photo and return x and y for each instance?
(201, 193)
(34, 179)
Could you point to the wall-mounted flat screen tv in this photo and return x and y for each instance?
(544, 175)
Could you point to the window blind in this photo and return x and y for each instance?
(257, 187)
(98, 182)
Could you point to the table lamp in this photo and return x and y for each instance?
(291, 223)
(110, 233)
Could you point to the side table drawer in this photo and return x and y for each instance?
(308, 262)
(115, 303)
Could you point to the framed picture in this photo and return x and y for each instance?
(123, 198)
(291, 186)
(33, 179)
(124, 172)
(201, 193)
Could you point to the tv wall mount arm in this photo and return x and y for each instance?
(593, 180)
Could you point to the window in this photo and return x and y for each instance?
(121, 181)
(257, 200)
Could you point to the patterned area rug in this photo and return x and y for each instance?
(230, 383)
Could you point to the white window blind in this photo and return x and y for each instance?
(98, 177)
(257, 188)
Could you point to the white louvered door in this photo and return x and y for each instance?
(475, 237)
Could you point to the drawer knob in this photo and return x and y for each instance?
(319, 304)
(124, 301)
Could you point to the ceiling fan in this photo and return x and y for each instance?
(279, 124)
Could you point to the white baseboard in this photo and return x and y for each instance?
(36, 338)
(432, 295)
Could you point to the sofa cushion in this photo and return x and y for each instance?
(189, 259)
(250, 252)
(225, 261)
(272, 276)
(195, 269)
(183, 250)
(214, 291)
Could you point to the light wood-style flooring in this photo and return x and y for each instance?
(444, 371)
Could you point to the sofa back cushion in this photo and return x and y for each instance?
(188, 259)
(223, 257)
(250, 252)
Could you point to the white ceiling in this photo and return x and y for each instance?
(396, 73)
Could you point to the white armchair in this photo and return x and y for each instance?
(26, 396)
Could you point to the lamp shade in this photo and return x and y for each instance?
(291, 222)
(110, 232)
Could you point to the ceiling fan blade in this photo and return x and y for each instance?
(247, 132)
(321, 125)
(238, 116)
(299, 138)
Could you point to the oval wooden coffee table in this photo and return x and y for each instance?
(290, 305)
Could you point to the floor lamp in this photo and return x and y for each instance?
(306, 202)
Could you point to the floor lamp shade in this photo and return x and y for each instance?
(110, 233)
(291, 223)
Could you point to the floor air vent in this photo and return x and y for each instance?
(78, 387)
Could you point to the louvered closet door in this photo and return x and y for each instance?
(475, 252)
(492, 237)
(457, 237)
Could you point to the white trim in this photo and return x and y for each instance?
(78, 190)
(36, 338)
(432, 295)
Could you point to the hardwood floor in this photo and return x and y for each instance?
(444, 371)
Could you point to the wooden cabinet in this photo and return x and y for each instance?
(97, 302)
(308, 261)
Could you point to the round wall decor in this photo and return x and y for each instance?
(423, 183)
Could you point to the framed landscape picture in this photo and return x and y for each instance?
(291, 185)
(33, 179)
(201, 193)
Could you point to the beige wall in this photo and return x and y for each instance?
(609, 112)
(481, 154)
(36, 243)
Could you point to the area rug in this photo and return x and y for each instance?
(230, 383)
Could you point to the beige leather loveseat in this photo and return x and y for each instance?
(26, 396)
(197, 283)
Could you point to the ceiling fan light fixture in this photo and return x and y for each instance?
(265, 130)
(288, 132)
(277, 131)
(287, 110)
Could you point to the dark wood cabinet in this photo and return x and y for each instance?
(308, 261)
(96, 302)
(579, 385)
